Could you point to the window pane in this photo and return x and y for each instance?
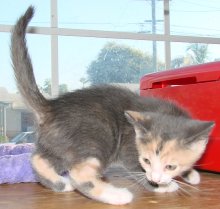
(10, 10)
(85, 61)
(116, 15)
(184, 54)
(41, 60)
(14, 117)
(195, 18)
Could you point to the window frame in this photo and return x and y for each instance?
(54, 32)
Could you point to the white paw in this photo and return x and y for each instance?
(172, 187)
(193, 177)
(68, 186)
(115, 196)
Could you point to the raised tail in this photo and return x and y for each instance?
(23, 67)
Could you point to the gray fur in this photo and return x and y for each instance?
(91, 122)
(23, 69)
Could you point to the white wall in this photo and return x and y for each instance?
(13, 121)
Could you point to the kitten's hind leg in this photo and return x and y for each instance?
(192, 176)
(48, 176)
(86, 178)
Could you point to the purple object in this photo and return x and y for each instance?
(15, 149)
(15, 165)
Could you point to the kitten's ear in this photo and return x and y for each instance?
(198, 131)
(141, 123)
(133, 116)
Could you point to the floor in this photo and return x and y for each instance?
(34, 196)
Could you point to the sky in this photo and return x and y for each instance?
(188, 17)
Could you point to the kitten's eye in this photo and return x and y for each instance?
(146, 161)
(171, 167)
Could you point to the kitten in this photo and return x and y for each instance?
(83, 132)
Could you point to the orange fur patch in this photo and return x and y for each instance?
(85, 171)
(43, 168)
(88, 171)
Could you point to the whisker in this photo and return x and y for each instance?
(185, 191)
(203, 164)
(139, 178)
(182, 193)
(136, 172)
(137, 175)
(134, 176)
(132, 185)
(131, 171)
(139, 181)
(185, 184)
(135, 187)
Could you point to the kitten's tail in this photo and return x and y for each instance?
(23, 67)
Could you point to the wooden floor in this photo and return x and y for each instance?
(34, 196)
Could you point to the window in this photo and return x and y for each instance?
(142, 35)
(195, 18)
(42, 64)
(183, 54)
(116, 15)
(11, 10)
(80, 57)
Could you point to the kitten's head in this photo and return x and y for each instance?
(168, 145)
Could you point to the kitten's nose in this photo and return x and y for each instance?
(155, 177)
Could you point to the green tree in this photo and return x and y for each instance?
(3, 139)
(63, 88)
(198, 53)
(177, 62)
(119, 64)
(46, 86)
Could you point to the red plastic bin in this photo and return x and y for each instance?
(197, 88)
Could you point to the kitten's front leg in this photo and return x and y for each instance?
(192, 176)
(86, 177)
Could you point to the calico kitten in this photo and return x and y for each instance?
(83, 132)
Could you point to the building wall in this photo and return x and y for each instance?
(13, 121)
(2, 120)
